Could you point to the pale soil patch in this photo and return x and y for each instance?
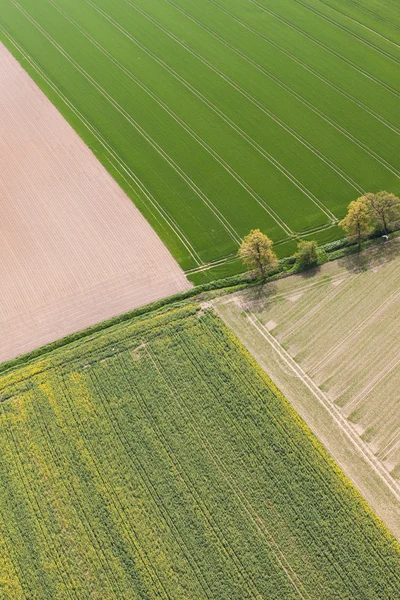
(74, 249)
(335, 353)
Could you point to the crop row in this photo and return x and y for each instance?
(162, 463)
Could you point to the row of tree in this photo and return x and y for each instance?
(379, 212)
(257, 254)
(373, 212)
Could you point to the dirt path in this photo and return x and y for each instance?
(74, 249)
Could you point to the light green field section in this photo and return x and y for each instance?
(218, 116)
(156, 460)
(336, 332)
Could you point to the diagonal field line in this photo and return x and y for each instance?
(390, 447)
(308, 68)
(130, 174)
(348, 31)
(360, 23)
(199, 95)
(169, 111)
(262, 151)
(336, 415)
(359, 328)
(224, 222)
(122, 165)
(268, 112)
(375, 15)
(321, 45)
(351, 137)
(354, 402)
(308, 316)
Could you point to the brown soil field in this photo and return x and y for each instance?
(74, 250)
(330, 338)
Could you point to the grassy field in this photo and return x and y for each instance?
(158, 461)
(217, 116)
(337, 329)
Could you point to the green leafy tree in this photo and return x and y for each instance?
(257, 254)
(307, 254)
(385, 210)
(357, 222)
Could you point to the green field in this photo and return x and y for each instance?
(218, 116)
(156, 460)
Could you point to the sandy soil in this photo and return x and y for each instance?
(73, 248)
(330, 339)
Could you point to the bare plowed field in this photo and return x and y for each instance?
(73, 248)
(332, 338)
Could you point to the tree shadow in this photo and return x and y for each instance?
(371, 257)
(259, 295)
(309, 273)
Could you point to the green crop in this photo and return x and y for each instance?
(219, 116)
(157, 460)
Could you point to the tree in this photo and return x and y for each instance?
(357, 222)
(307, 254)
(385, 210)
(257, 254)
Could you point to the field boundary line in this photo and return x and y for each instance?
(351, 33)
(267, 111)
(357, 329)
(329, 406)
(190, 183)
(350, 136)
(251, 443)
(347, 61)
(308, 68)
(249, 97)
(174, 116)
(168, 218)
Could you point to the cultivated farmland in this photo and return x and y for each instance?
(218, 116)
(331, 341)
(74, 250)
(158, 461)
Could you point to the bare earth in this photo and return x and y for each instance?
(331, 341)
(74, 250)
